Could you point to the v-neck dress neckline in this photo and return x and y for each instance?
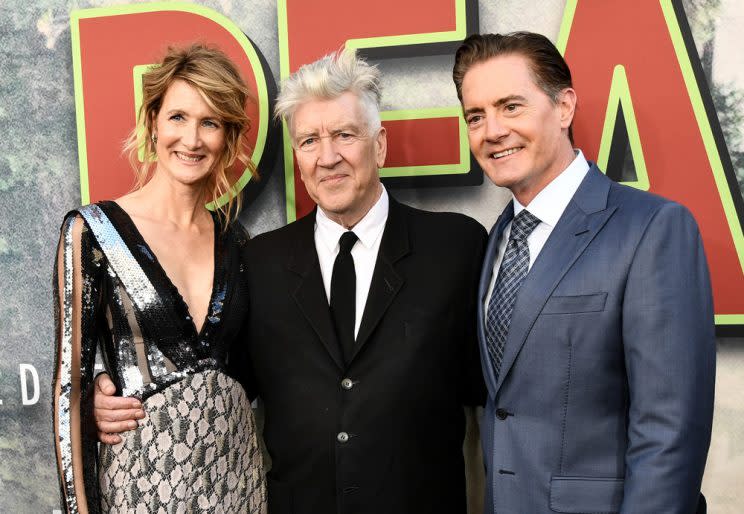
(157, 275)
(115, 300)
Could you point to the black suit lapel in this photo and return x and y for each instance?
(310, 293)
(386, 281)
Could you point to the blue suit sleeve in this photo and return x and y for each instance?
(669, 345)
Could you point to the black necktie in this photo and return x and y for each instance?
(343, 294)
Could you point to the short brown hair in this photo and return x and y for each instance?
(549, 69)
(219, 83)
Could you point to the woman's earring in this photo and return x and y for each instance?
(154, 138)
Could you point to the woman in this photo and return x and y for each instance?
(155, 279)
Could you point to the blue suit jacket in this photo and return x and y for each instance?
(604, 402)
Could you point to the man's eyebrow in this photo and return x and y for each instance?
(346, 127)
(498, 103)
(472, 110)
(509, 99)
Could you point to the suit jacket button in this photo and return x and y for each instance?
(501, 414)
(342, 437)
(347, 383)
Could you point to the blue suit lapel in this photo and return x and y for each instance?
(485, 280)
(584, 217)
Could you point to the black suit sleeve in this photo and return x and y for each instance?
(239, 364)
(473, 389)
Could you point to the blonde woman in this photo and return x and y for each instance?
(155, 280)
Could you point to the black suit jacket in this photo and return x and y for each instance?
(415, 366)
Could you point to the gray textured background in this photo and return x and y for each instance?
(39, 182)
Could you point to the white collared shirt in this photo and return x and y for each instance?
(369, 231)
(548, 207)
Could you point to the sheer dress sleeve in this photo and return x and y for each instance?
(77, 293)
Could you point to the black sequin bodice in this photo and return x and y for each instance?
(112, 293)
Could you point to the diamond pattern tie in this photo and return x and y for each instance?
(512, 271)
(343, 294)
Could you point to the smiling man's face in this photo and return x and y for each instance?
(338, 157)
(517, 133)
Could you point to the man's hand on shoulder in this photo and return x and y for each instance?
(113, 414)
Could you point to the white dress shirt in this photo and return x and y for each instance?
(548, 207)
(369, 231)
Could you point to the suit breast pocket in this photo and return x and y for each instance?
(575, 304)
(586, 495)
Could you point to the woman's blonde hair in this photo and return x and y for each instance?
(218, 81)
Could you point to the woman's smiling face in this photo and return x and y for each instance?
(190, 136)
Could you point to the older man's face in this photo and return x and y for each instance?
(338, 157)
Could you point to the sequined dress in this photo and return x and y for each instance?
(196, 450)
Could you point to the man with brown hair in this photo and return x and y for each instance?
(595, 313)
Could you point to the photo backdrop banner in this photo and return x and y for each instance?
(661, 108)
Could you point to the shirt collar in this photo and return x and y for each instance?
(549, 204)
(368, 230)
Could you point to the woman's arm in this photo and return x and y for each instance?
(77, 294)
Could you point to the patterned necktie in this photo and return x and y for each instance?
(513, 269)
(343, 294)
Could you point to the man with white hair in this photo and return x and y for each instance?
(361, 338)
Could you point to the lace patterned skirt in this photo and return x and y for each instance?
(195, 451)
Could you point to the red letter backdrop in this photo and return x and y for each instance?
(658, 123)
(425, 146)
(645, 112)
(108, 63)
